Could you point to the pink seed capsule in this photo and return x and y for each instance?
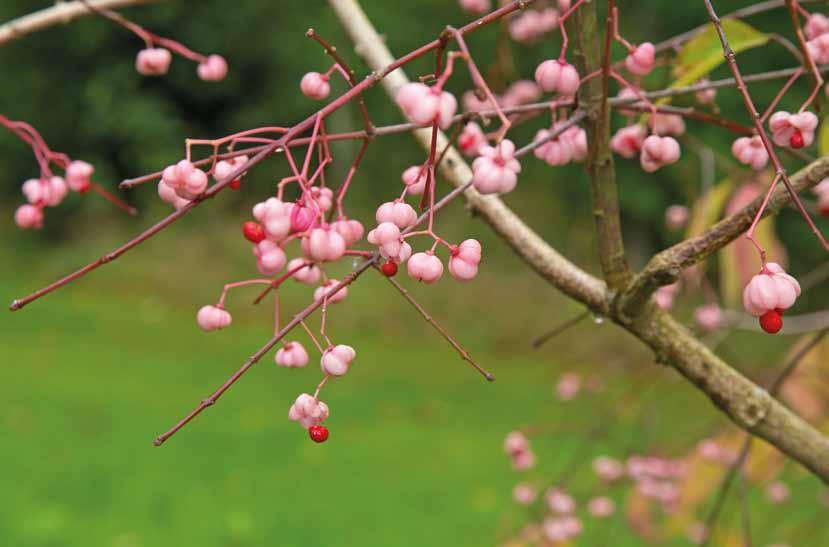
(315, 86)
(153, 61)
(642, 59)
(291, 355)
(793, 130)
(496, 169)
(425, 267)
(658, 151)
(212, 318)
(78, 176)
(212, 69)
(29, 217)
(337, 360)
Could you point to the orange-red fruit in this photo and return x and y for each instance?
(235, 184)
(253, 232)
(318, 433)
(796, 140)
(771, 322)
(389, 269)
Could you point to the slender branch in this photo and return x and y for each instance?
(59, 14)
(558, 329)
(593, 96)
(446, 336)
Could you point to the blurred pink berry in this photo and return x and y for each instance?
(29, 217)
(213, 69)
(471, 139)
(705, 96)
(302, 218)
(291, 355)
(337, 360)
(667, 124)
(153, 61)
(520, 92)
(351, 230)
(522, 461)
(186, 179)
(750, 151)
(666, 294)
(558, 501)
(557, 76)
(475, 7)
(327, 290)
(415, 179)
(676, 216)
(397, 212)
(568, 386)
(270, 258)
(310, 275)
(213, 318)
(793, 130)
(658, 151)
(45, 192)
(709, 317)
(771, 289)
(608, 469)
(423, 104)
(315, 86)
(515, 442)
(463, 264)
(642, 59)
(323, 197)
(225, 168)
(425, 267)
(531, 25)
(524, 494)
(308, 411)
(816, 24)
(78, 176)
(818, 48)
(563, 5)
(777, 492)
(697, 533)
(627, 142)
(275, 217)
(323, 245)
(496, 169)
(601, 507)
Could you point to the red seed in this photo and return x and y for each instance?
(796, 140)
(253, 232)
(389, 268)
(235, 184)
(318, 433)
(771, 322)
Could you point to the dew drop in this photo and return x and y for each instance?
(598, 319)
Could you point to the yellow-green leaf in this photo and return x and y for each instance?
(823, 138)
(703, 53)
(708, 208)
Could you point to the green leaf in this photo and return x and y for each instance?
(823, 138)
(703, 53)
(708, 208)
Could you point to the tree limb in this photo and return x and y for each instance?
(59, 14)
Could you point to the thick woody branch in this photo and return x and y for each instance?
(665, 267)
(747, 404)
(593, 96)
(59, 14)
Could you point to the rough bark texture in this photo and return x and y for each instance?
(747, 404)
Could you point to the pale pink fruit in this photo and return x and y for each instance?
(323, 197)
(168, 195)
(270, 258)
(786, 127)
(558, 501)
(315, 86)
(463, 265)
(326, 291)
(275, 217)
(351, 230)
(213, 318)
(557, 76)
(323, 245)
(186, 179)
(568, 386)
(78, 176)
(153, 61)
(705, 96)
(471, 139)
(212, 69)
(515, 442)
(777, 492)
(415, 179)
(291, 355)
(771, 289)
(523, 461)
(302, 217)
(750, 151)
(520, 92)
(496, 169)
(475, 7)
(397, 212)
(386, 236)
(818, 49)
(816, 24)
(601, 507)
(709, 317)
(49, 192)
(225, 168)
(308, 411)
(627, 142)
(425, 267)
(665, 295)
(667, 124)
(658, 151)
(524, 494)
(676, 216)
(29, 217)
(424, 105)
(642, 59)
(555, 151)
(337, 360)
(310, 275)
(608, 469)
